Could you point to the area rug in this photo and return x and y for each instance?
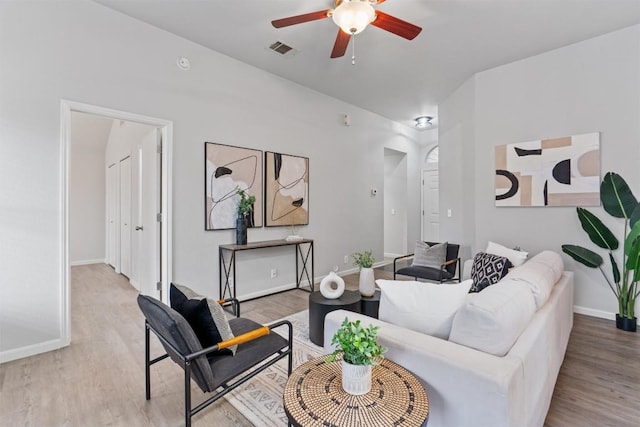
(260, 399)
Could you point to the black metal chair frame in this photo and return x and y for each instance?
(186, 361)
(443, 268)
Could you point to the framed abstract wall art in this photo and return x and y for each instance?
(561, 171)
(226, 169)
(286, 189)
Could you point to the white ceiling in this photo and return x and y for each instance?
(394, 77)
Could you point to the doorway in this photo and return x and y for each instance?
(431, 197)
(395, 203)
(118, 183)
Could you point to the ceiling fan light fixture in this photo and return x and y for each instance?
(423, 122)
(353, 16)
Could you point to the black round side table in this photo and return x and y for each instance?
(369, 305)
(319, 307)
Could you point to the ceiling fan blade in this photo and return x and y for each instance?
(340, 46)
(396, 25)
(299, 19)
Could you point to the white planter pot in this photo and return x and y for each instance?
(367, 282)
(356, 379)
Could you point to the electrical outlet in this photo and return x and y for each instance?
(274, 273)
(346, 259)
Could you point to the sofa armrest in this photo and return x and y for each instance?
(465, 386)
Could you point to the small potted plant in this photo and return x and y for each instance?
(364, 261)
(245, 217)
(360, 350)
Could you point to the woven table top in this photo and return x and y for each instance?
(313, 396)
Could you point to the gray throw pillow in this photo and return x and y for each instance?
(429, 256)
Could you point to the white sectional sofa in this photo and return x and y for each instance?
(471, 386)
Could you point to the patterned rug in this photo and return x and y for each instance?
(260, 399)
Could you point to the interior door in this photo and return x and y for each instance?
(125, 216)
(147, 230)
(112, 217)
(431, 205)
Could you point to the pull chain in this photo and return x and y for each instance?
(353, 50)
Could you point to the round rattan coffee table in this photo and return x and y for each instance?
(313, 396)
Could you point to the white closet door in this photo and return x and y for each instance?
(112, 217)
(147, 234)
(125, 216)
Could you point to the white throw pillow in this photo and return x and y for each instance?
(516, 257)
(540, 273)
(420, 306)
(493, 319)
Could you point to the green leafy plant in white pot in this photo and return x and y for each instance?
(364, 261)
(359, 348)
(619, 202)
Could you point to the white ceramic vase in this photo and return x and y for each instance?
(367, 285)
(356, 379)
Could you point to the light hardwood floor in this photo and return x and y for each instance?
(99, 379)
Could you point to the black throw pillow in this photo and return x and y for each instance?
(197, 314)
(487, 270)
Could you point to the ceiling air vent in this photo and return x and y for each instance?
(282, 49)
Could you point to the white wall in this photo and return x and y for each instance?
(395, 203)
(129, 66)
(592, 86)
(87, 176)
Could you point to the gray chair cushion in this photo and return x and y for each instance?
(226, 367)
(175, 329)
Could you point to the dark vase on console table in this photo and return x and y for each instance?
(241, 230)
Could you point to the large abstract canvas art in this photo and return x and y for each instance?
(227, 169)
(550, 172)
(286, 189)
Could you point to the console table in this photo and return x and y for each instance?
(303, 254)
(313, 396)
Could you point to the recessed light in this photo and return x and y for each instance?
(423, 122)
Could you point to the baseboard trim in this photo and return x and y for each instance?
(389, 255)
(31, 350)
(596, 313)
(87, 262)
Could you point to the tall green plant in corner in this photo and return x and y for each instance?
(618, 201)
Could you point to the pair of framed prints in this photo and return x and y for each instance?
(280, 185)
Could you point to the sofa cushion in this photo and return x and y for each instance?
(429, 256)
(540, 273)
(423, 307)
(490, 267)
(493, 320)
(516, 257)
(211, 327)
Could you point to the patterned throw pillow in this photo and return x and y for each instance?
(487, 270)
(429, 256)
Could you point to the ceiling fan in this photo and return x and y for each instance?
(353, 16)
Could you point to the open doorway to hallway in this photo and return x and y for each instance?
(116, 196)
(395, 203)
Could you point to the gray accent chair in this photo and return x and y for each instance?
(219, 374)
(445, 274)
